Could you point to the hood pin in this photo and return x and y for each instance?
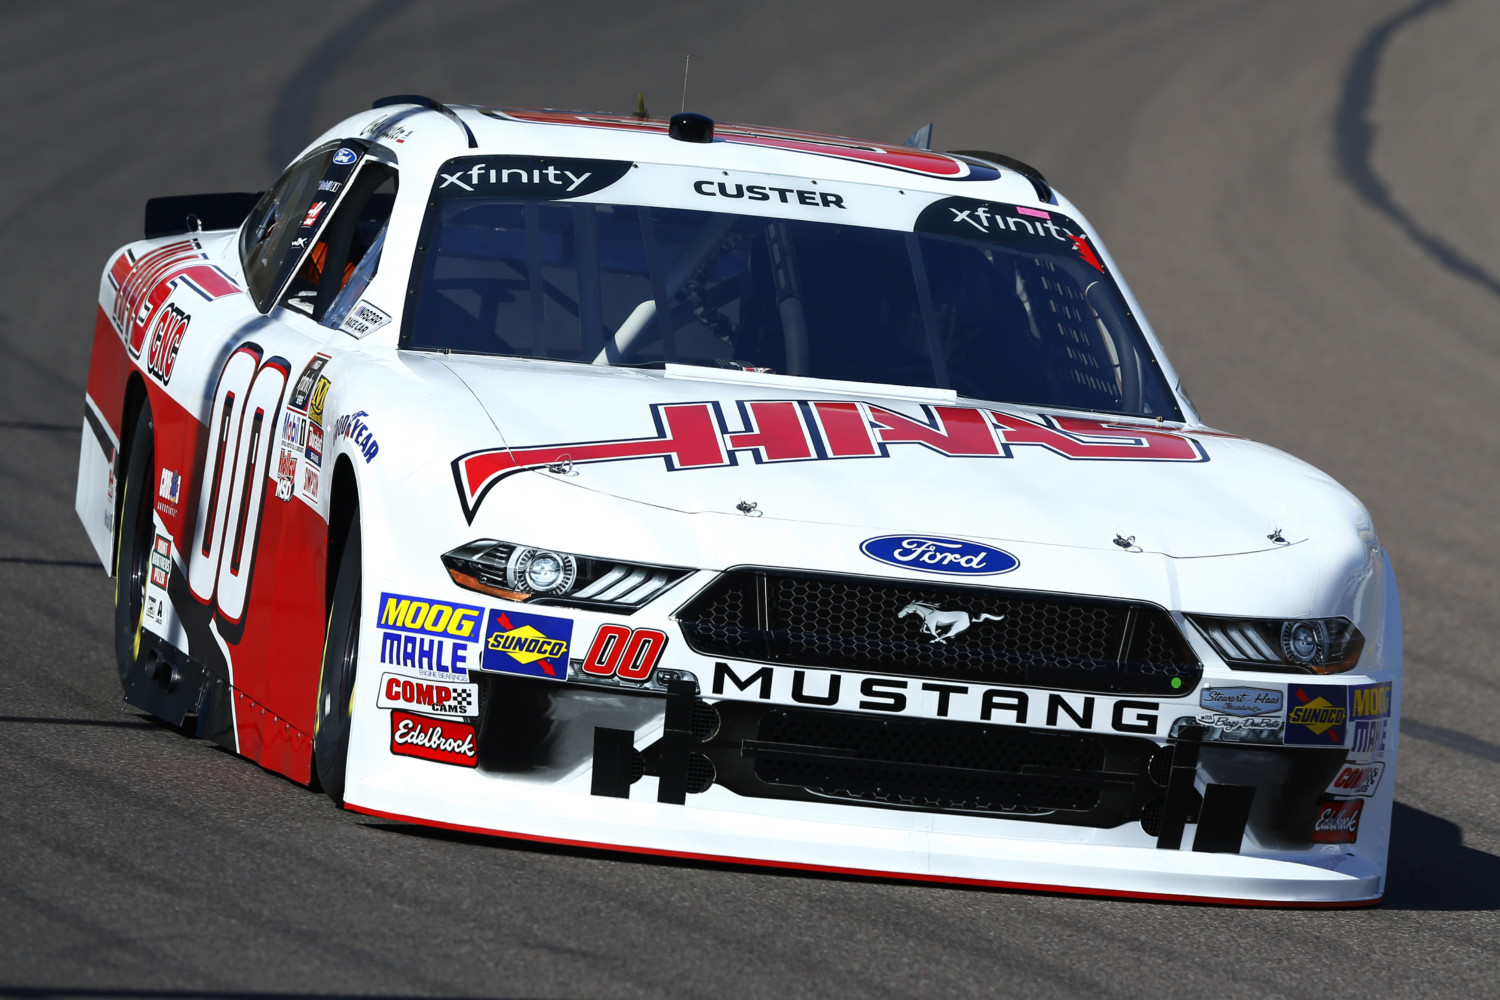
(1125, 543)
(748, 508)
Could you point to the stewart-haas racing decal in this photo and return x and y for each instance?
(442, 740)
(698, 436)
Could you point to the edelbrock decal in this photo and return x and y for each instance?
(934, 554)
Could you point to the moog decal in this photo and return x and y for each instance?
(698, 436)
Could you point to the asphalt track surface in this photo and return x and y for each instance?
(1303, 197)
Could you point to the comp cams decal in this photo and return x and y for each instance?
(698, 436)
(413, 694)
(1357, 779)
(847, 691)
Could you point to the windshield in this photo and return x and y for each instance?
(996, 302)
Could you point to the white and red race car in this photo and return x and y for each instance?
(732, 493)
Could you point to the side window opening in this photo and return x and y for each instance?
(270, 233)
(345, 252)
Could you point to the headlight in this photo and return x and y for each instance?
(547, 576)
(1303, 645)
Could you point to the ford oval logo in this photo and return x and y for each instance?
(931, 554)
(345, 156)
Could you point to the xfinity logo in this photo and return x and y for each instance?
(934, 554)
(985, 221)
(479, 173)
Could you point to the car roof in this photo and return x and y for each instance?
(421, 137)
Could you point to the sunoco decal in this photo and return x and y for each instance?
(932, 554)
(1318, 715)
(520, 643)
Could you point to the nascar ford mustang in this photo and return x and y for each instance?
(725, 492)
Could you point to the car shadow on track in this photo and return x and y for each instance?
(1431, 869)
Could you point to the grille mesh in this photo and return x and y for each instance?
(966, 634)
(929, 765)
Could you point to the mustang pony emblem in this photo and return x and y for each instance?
(943, 625)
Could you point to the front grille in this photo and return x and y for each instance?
(971, 634)
(1085, 779)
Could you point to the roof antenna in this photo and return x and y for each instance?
(640, 106)
(685, 61)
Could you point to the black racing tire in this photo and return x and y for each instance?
(336, 682)
(135, 532)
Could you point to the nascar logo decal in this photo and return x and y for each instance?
(535, 645)
(697, 436)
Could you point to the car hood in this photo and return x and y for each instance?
(654, 437)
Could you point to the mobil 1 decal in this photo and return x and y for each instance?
(1044, 230)
(543, 177)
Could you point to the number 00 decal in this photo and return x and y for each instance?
(623, 653)
(241, 437)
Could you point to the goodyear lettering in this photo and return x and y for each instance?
(354, 428)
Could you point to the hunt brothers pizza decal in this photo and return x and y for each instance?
(697, 436)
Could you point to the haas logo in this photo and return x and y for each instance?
(944, 625)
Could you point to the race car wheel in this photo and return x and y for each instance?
(336, 685)
(136, 531)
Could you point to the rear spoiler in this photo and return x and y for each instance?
(189, 213)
